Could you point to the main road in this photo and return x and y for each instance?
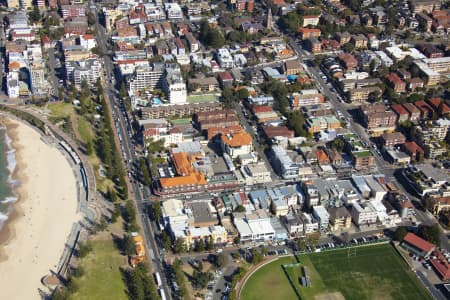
(123, 126)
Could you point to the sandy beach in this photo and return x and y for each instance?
(43, 216)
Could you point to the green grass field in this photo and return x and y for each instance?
(374, 272)
(269, 282)
(102, 278)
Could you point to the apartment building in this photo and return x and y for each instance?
(396, 83)
(283, 164)
(378, 116)
(167, 111)
(306, 33)
(363, 214)
(402, 113)
(146, 77)
(78, 71)
(418, 6)
(224, 58)
(306, 98)
(68, 11)
(414, 112)
(362, 94)
(175, 86)
(316, 124)
(340, 218)
(392, 139)
(237, 144)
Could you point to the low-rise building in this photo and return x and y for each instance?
(237, 144)
(256, 174)
(283, 164)
(306, 98)
(340, 218)
(417, 245)
(322, 215)
(363, 214)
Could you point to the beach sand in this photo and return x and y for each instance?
(43, 217)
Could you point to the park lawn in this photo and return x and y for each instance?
(60, 110)
(374, 272)
(269, 283)
(84, 129)
(102, 278)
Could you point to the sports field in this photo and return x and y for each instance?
(371, 272)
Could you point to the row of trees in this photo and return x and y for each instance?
(180, 279)
(107, 151)
(139, 283)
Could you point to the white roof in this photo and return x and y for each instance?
(242, 227)
(261, 227)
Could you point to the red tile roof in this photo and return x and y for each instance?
(392, 77)
(418, 242)
(399, 109)
(435, 102)
(423, 106)
(225, 76)
(441, 265)
(412, 147)
(261, 109)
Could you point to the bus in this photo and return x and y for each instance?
(161, 292)
(158, 279)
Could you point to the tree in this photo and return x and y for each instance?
(123, 91)
(239, 208)
(60, 294)
(400, 233)
(291, 22)
(210, 244)
(200, 247)
(257, 257)
(338, 144)
(430, 233)
(84, 249)
(128, 246)
(243, 94)
(35, 15)
(97, 51)
(145, 171)
(72, 285)
(301, 244)
(440, 109)
(237, 240)
(156, 211)
(222, 260)
(166, 240)
(179, 246)
(348, 47)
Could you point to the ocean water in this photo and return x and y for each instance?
(7, 183)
